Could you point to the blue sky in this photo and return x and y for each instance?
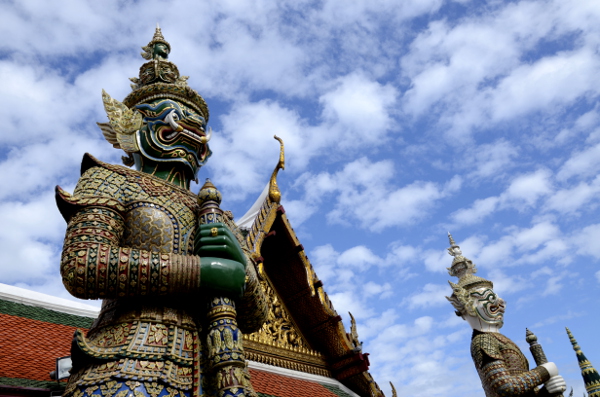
(402, 120)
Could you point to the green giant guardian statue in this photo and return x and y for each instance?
(178, 289)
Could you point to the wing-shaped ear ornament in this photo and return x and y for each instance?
(122, 126)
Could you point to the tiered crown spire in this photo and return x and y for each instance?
(463, 268)
(160, 79)
(149, 51)
(591, 378)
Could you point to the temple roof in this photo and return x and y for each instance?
(302, 305)
(38, 328)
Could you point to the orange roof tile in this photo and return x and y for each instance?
(283, 386)
(30, 347)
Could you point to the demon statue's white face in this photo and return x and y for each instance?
(487, 310)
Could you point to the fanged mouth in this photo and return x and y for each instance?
(497, 309)
(169, 134)
(195, 133)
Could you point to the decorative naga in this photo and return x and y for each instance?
(177, 286)
(502, 367)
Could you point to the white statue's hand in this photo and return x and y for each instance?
(556, 384)
(551, 368)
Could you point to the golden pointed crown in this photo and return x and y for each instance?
(463, 268)
(157, 38)
(461, 265)
(160, 79)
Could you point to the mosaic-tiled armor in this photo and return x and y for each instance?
(502, 367)
(169, 325)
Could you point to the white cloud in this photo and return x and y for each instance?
(380, 290)
(355, 115)
(480, 209)
(348, 301)
(324, 259)
(359, 107)
(401, 256)
(544, 84)
(453, 69)
(490, 160)
(338, 12)
(28, 246)
(587, 240)
(364, 193)
(527, 189)
(572, 200)
(359, 257)
(431, 295)
(581, 164)
(523, 192)
(531, 239)
(560, 317)
(298, 211)
(247, 138)
(436, 260)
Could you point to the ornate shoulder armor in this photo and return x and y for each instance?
(99, 186)
(485, 344)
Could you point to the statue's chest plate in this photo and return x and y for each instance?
(514, 359)
(159, 224)
(151, 227)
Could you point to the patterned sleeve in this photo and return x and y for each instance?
(253, 307)
(94, 265)
(495, 374)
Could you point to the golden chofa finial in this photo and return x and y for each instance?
(394, 394)
(354, 334)
(274, 192)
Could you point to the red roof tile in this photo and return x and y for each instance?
(30, 347)
(282, 386)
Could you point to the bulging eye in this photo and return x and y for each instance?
(175, 116)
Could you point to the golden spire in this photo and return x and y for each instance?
(461, 266)
(591, 378)
(157, 38)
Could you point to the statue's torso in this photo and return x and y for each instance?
(144, 338)
(502, 367)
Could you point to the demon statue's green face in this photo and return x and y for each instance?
(162, 122)
(161, 50)
(173, 132)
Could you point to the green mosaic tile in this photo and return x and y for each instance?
(39, 384)
(336, 390)
(46, 315)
